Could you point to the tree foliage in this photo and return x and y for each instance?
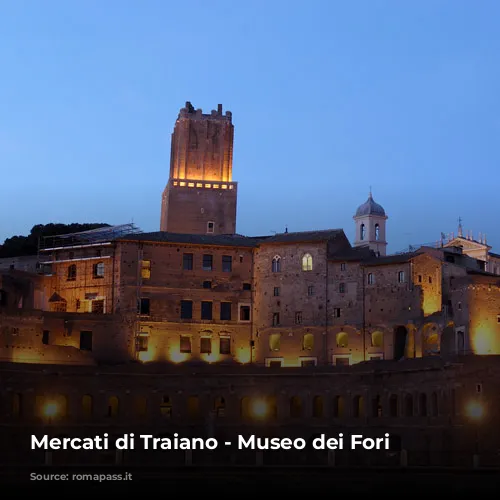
(17, 246)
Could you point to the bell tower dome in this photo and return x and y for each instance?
(370, 220)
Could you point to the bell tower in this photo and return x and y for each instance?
(200, 196)
(370, 220)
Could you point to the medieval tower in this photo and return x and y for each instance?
(200, 197)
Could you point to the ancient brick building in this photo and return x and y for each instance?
(317, 327)
(200, 196)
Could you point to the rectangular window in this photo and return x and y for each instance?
(207, 262)
(336, 312)
(206, 345)
(342, 266)
(298, 318)
(207, 284)
(225, 345)
(341, 287)
(144, 306)
(45, 337)
(186, 309)
(142, 343)
(276, 319)
(185, 344)
(420, 278)
(276, 291)
(244, 313)
(210, 227)
(247, 286)
(225, 311)
(371, 279)
(98, 306)
(308, 362)
(310, 291)
(401, 277)
(98, 270)
(187, 261)
(275, 363)
(342, 361)
(85, 341)
(206, 310)
(227, 263)
(145, 269)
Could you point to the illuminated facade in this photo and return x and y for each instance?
(200, 196)
(197, 292)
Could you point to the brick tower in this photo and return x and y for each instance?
(200, 197)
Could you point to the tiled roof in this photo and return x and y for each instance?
(391, 259)
(304, 236)
(354, 254)
(236, 240)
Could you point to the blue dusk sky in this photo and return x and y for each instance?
(328, 98)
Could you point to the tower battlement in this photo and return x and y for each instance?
(188, 111)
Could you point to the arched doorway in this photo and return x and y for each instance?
(400, 339)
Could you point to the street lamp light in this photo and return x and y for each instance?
(50, 410)
(475, 410)
(259, 408)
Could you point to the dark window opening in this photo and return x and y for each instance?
(207, 284)
(45, 337)
(225, 311)
(227, 263)
(206, 310)
(207, 262)
(247, 286)
(144, 306)
(245, 313)
(186, 309)
(187, 261)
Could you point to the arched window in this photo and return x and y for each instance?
(72, 272)
(113, 406)
(377, 339)
(342, 339)
(317, 407)
(274, 341)
(377, 232)
(276, 266)
(362, 232)
(87, 406)
(308, 342)
(307, 262)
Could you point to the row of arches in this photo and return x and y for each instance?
(53, 408)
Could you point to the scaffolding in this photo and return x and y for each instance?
(93, 237)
